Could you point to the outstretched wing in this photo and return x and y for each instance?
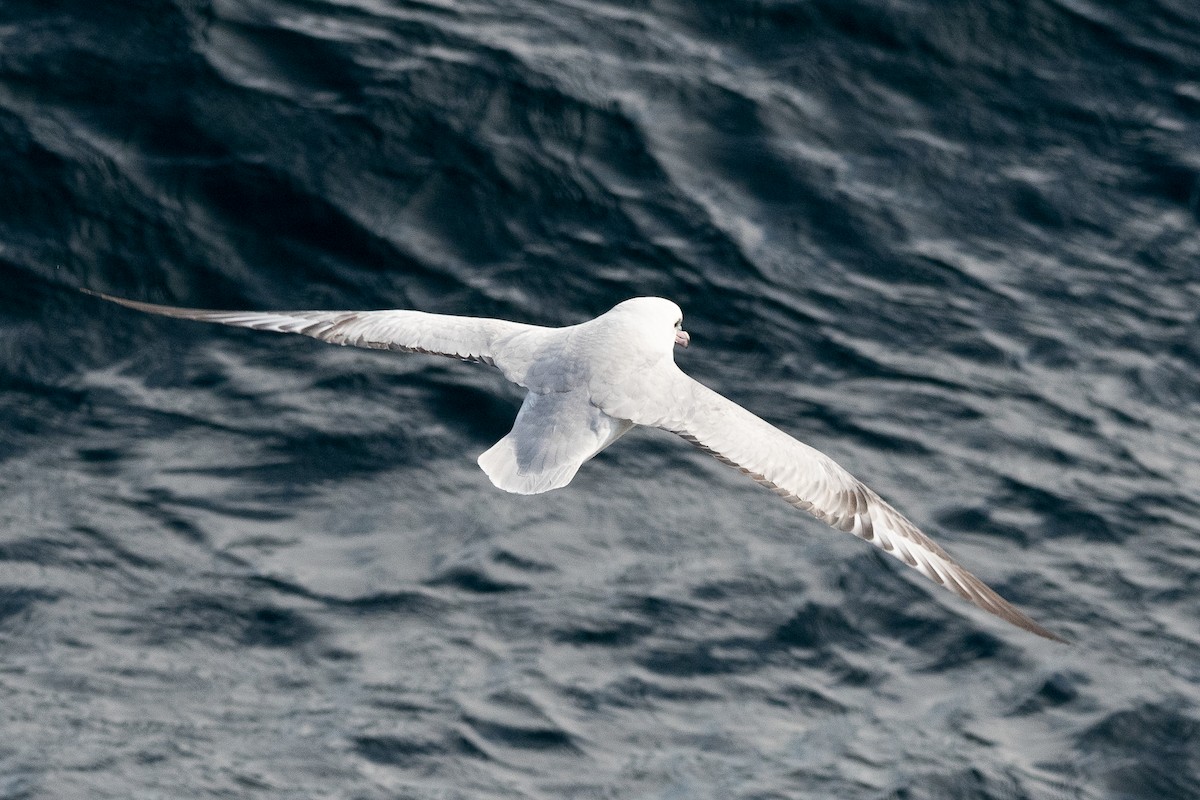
(813, 482)
(466, 338)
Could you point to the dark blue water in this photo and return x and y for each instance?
(956, 245)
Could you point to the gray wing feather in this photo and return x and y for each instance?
(813, 482)
(466, 338)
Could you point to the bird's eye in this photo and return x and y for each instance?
(679, 322)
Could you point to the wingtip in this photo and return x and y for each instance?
(121, 301)
(1045, 633)
(149, 308)
(996, 605)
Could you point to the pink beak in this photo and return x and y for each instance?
(682, 339)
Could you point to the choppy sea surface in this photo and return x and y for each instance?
(955, 245)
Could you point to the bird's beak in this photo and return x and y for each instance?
(682, 338)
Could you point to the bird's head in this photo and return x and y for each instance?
(658, 321)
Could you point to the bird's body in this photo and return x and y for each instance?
(588, 384)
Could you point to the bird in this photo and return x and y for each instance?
(590, 383)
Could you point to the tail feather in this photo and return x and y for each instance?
(553, 436)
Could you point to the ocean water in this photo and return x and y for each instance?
(955, 245)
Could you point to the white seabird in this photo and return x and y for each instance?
(588, 384)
